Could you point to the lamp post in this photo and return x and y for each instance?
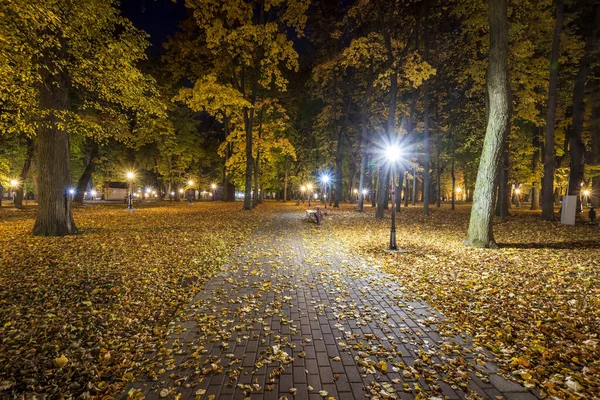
(213, 186)
(325, 179)
(130, 176)
(309, 187)
(393, 155)
(586, 196)
(14, 185)
(190, 184)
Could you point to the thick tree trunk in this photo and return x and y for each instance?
(439, 178)
(54, 215)
(480, 232)
(595, 151)
(339, 154)
(549, 158)
(576, 145)
(23, 174)
(398, 189)
(285, 181)
(84, 180)
(535, 161)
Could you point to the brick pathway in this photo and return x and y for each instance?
(293, 314)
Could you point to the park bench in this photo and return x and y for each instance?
(315, 215)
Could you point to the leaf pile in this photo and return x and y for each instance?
(79, 314)
(535, 302)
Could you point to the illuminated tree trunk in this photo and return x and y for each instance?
(414, 186)
(503, 199)
(364, 121)
(406, 188)
(54, 214)
(549, 158)
(480, 232)
(24, 172)
(374, 184)
(285, 181)
(248, 119)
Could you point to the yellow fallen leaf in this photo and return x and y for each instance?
(61, 361)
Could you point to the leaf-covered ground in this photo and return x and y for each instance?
(535, 302)
(78, 314)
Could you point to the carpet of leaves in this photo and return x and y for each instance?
(535, 302)
(80, 314)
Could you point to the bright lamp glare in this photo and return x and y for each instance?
(71, 191)
(365, 191)
(309, 186)
(325, 178)
(213, 186)
(130, 175)
(14, 182)
(392, 153)
(586, 192)
(303, 188)
(190, 182)
(93, 193)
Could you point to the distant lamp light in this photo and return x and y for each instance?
(130, 175)
(309, 186)
(303, 188)
(172, 193)
(586, 192)
(14, 183)
(213, 186)
(180, 190)
(148, 190)
(71, 191)
(458, 190)
(365, 192)
(518, 191)
(190, 183)
(93, 193)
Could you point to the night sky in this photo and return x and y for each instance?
(159, 18)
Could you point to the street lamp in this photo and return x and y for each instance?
(130, 177)
(517, 195)
(213, 186)
(325, 179)
(190, 184)
(302, 190)
(310, 188)
(392, 154)
(14, 184)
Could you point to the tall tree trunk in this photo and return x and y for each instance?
(480, 233)
(84, 180)
(248, 121)
(452, 171)
(577, 148)
(227, 155)
(364, 121)
(406, 188)
(374, 185)
(339, 154)
(414, 186)
(285, 181)
(535, 161)
(503, 198)
(439, 178)
(54, 214)
(23, 174)
(549, 158)
(398, 189)
(426, 138)
(595, 150)
(352, 182)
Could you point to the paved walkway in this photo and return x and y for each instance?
(293, 314)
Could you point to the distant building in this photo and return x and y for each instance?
(115, 191)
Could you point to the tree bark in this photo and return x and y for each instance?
(414, 186)
(549, 158)
(374, 185)
(595, 151)
(576, 145)
(84, 180)
(480, 233)
(426, 123)
(452, 171)
(54, 214)
(406, 188)
(248, 121)
(23, 175)
(503, 199)
(535, 160)
(364, 121)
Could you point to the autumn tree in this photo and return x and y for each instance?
(480, 232)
